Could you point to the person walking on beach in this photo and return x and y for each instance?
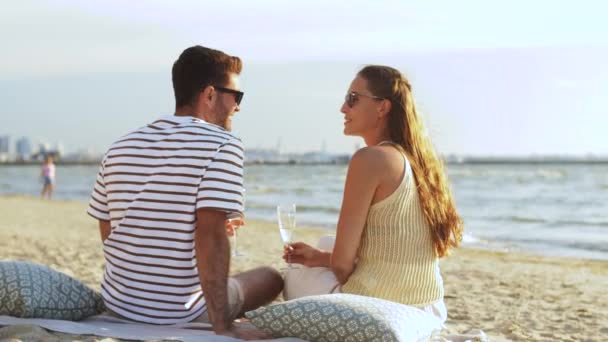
(398, 215)
(47, 174)
(162, 197)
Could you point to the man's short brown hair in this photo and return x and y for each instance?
(198, 67)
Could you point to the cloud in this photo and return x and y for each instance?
(566, 83)
(68, 36)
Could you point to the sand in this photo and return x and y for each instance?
(510, 296)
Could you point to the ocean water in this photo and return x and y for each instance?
(551, 209)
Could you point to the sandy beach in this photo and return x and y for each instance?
(510, 296)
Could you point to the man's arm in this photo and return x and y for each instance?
(104, 229)
(213, 262)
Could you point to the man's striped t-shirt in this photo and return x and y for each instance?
(149, 186)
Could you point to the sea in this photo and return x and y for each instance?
(543, 208)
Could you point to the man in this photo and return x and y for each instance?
(162, 197)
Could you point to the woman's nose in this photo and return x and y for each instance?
(344, 108)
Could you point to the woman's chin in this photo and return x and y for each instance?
(348, 132)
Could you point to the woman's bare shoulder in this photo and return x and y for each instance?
(373, 158)
(383, 153)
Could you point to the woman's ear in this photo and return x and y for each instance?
(384, 108)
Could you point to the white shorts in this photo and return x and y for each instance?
(236, 299)
(310, 281)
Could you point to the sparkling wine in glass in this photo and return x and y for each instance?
(286, 218)
(236, 221)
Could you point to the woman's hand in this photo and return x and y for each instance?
(303, 254)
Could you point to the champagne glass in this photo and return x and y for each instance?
(236, 221)
(286, 218)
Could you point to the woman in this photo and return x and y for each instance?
(398, 216)
(47, 173)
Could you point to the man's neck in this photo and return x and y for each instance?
(185, 111)
(193, 112)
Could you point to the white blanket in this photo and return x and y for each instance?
(107, 326)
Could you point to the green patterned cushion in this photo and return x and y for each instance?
(344, 317)
(29, 290)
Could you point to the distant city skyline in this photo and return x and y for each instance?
(490, 78)
(25, 151)
(22, 148)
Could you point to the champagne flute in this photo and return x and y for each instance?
(235, 220)
(286, 217)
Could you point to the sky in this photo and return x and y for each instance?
(490, 77)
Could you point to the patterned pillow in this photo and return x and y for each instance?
(29, 290)
(344, 317)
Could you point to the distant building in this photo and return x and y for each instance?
(274, 156)
(59, 149)
(263, 156)
(85, 155)
(5, 145)
(314, 158)
(320, 157)
(44, 148)
(24, 149)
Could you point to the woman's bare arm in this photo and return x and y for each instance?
(362, 180)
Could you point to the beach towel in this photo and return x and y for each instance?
(108, 326)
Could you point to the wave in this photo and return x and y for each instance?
(82, 193)
(510, 173)
(469, 238)
(314, 208)
(551, 174)
(249, 204)
(261, 189)
(587, 246)
(524, 219)
(299, 208)
(302, 190)
(582, 223)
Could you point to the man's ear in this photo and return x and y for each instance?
(384, 108)
(207, 95)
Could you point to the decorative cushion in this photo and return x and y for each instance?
(344, 317)
(29, 290)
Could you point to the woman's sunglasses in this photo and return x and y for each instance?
(238, 95)
(352, 98)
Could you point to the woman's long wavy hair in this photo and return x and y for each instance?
(407, 130)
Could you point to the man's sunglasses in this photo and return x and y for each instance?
(238, 95)
(352, 98)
